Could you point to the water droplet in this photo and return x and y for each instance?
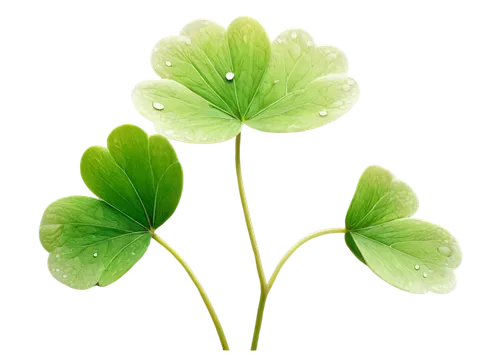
(158, 106)
(57, 256)
(64, 276)
(168, 63)
(276, 81)
(58, 269)
(424, 275)
(323, 112)
(444, 250)
(346, 87)
(350, 82)
(229, 76)
(133, 253)
(294, 35)
(309, 43)
(95, 254)
(280, 41)
(417, 267)
(188, 41)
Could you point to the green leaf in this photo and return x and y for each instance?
(215, 80)
(413, 255)
(95, 241)
(184, 116)
(90, 243)
(140, 176)
(305, 86)
(379, 198)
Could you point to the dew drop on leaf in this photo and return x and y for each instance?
(158, 106)
(64, 276)
(444, 250)
(95, 254)
(417, 267)
(168, 63)
(276, 81)
(323, 112)
(58, 269)
(229, 76)
(133, 253)
(424, 275)
(279, 41)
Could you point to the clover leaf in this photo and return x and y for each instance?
(96, 241)
(411, 254)
(216, 80)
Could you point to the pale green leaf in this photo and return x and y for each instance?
(90, 243)
(380, 197)
(410, 254)
(215, 80)
(305, 86)
(183, 116)
(250, 49)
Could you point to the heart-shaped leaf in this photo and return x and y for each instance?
(215, 80)
(411, 254)
(95, 241)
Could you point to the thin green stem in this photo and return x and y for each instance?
(253, 243)
(251, 233)
(262, 302)
(198, 285)
(258, 320)
(296, 246)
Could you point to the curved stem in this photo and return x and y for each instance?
(253, 243)
(297, 245)
(251, 233)
(198, 285)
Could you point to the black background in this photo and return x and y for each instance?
(327, 304)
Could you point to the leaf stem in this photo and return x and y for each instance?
(263, 297)
(198, 285)
(253, 243)
(299, 244)
(248, 219)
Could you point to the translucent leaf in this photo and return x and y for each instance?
(305, 86)
(380, 197)
(410, 254)
(183, 115)
(90, 243)
(215, 80)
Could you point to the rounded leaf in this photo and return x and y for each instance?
(380, 197)
(135, 174)
(90, 243)
(413, 255)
